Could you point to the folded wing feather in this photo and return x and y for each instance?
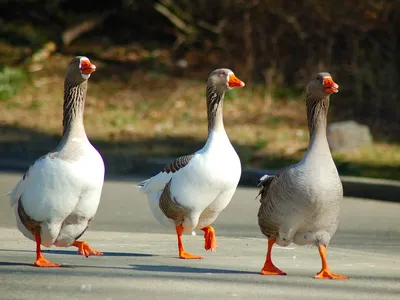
(158, 182)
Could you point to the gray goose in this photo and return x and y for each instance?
(301, 203)
(190, 192)
(58, 196)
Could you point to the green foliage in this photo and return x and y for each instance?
(112, 106)
(287, 93)
(186, 115)
(13, 104)
(278, 43)
(273, 120)
(231, 95)
(143, 105)
(12, 80)
(122, 120)
(19, 33)
(36, 104)
(260, 144)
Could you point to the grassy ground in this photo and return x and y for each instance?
(135, 113)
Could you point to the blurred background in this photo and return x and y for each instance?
(146, 101)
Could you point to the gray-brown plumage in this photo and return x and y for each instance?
(30, 224)
(301, 203)
(178, 163)
(75, 88)
(170, 207)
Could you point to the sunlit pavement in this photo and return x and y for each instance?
(140, 256)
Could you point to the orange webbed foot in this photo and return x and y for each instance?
(210, 242)
(182, 253)
(40, 260)
(44, 263)
(185, 255)
(270, 269)
(326, 274)
(85, 249)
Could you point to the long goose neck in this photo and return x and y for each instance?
(214, 109)
(317, 112)
(74, 103)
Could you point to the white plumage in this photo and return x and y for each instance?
(59, 195)
(55, 191)
(191, 192)
(209, 180)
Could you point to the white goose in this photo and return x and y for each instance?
(191, 192)
(58, 196)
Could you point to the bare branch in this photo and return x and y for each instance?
(75, 31)
(174, 19)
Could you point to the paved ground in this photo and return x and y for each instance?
(140, 256)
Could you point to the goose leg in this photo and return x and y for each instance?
(182, 253)
(40, 260)
(85, 249)
(269, 268)
(325, 273)
(210, 243)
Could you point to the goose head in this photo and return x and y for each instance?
(79, 69)
(322, 85)
(224, 80)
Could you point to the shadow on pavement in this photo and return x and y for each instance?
(181, 269)
(71, 252)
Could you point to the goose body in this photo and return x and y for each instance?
(56, 191)
(205, 185)
(301, 203)
(58, 196)
(190, 192)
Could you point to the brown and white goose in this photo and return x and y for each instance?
(58, 196)
(301, 203)
(191, 192)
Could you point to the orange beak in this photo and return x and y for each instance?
(233, 81)
(330, 86)
(87, 67)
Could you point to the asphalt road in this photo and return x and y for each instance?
(140, 256)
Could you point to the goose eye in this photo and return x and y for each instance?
(222, 73)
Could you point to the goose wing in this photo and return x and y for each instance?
(158, 182)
